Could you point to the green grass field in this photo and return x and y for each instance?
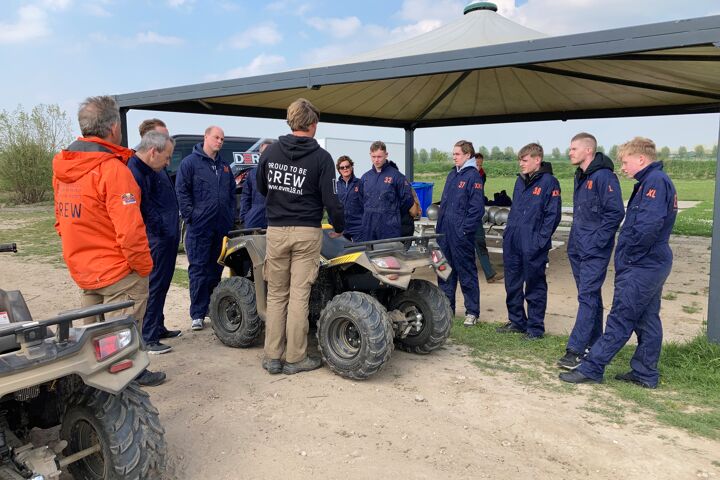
(694, 221)
(686, 397)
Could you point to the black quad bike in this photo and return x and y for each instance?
(68, 402)
(367, 297)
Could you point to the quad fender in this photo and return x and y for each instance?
(244, 251)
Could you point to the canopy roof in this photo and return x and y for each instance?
(480, 26)
(467, 73)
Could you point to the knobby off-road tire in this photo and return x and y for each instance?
(355, 336)
(234, 314)
(128, 429)
(427, 299)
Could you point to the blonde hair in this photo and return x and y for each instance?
(638, 146)
(532, 149)
(466, 147)
(301, 114)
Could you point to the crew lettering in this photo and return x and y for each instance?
(68, 210)
(286, 178)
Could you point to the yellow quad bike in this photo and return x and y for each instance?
(68, 402)
(367, 295)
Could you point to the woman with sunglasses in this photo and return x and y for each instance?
(347, 190)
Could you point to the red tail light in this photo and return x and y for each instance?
(437, 256)
(108, 345)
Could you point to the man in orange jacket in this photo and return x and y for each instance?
(97, 215)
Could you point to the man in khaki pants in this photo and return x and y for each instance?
(297, 178)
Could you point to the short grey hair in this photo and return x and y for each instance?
(156, 140)
(97, 115)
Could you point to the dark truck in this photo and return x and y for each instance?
(242, 153)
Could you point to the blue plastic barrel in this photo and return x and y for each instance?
(424, 193)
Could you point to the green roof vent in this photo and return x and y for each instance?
(471, 7)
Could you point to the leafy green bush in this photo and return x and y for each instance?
(26, 170)
(28, 141)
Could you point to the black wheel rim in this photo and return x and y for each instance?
(230, 315)
(344, 339)
(411, 311)
(84, 436)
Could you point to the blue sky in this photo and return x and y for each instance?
(60, 51)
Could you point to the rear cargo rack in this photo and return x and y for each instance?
(407, 242)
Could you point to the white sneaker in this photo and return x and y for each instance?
(197, 324)
(470, 320)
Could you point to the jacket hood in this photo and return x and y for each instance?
(471, 162)
(85, 154)
(545, 167)
(198, 150)
(601, 161)
(295, 147)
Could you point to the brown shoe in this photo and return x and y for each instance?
(310, 363)
(496, 278)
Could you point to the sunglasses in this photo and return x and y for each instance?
(345, 167)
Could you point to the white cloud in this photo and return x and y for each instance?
(156, 38)
(293, 7)
(262, 34)
(441, 10)
(31, 23)
(56, 4)
(96, 10)
(576, 16)
(180, 3)
(337, 27)
(98, 37)
(259, 65)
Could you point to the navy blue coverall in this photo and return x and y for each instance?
(461, 210)
(643, 260)
(206, 194)
(384, 195)
(252, 204)
(534, 216)
(159, 208)
(597, 212)
(349, 196)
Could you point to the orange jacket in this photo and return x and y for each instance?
(97, 213)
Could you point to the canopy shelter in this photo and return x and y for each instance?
(485, 69)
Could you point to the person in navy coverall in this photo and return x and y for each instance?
(597, 212)
(252, 202)
(461, 210)
(386, 194)
(159, 209)
(206, 193)
(643, 260)
(535, 214)
(348, 193)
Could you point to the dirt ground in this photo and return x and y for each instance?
(423, 417)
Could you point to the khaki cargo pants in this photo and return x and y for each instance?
(132, 287)
(292, 260)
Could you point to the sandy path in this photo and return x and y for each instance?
(437, 416)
